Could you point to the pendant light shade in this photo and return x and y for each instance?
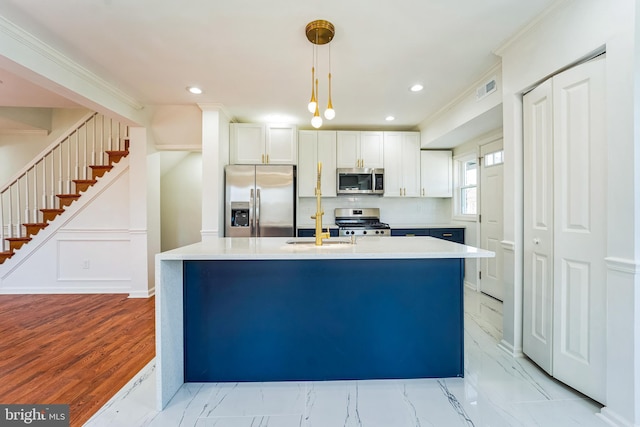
(319, 32)
(316, 120)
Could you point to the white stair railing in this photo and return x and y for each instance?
(53, 171)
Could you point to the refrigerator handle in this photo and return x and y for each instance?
(251, 215)
(258, 212)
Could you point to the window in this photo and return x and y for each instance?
(494, 159)
(466, 197)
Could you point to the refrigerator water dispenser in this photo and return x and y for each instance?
(239, 214)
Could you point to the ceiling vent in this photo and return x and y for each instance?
(487, 88)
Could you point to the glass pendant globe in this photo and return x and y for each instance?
(329, 113)
(312, 106)
(316, 121)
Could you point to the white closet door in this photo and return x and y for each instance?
(491, 226)
(538, 226)
(580, 228)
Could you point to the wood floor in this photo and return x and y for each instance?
(72, 349)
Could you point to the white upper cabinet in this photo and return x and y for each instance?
(253, 143)
(314, 147)
(360, 149)
(436, 173)
(372, 149)
(402, 164)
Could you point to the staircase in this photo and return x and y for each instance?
(43, 189)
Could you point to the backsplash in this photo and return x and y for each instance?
(394, 211)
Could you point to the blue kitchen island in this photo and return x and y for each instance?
(268, 309)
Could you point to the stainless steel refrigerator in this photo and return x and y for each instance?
(260, 201)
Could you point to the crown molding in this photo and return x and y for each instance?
(528, 27)
(52, 55)
(464, 94)
(214, 106)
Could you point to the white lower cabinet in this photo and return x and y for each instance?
(436, 174)
(314, 147)
(402, 164)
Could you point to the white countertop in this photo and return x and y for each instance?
(365, 248)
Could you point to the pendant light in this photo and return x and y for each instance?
(319, 32)
(316, 120)
(313, 102)
(329, 113)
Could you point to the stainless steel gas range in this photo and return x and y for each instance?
(360, 222)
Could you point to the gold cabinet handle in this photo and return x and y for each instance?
(267, 158)
(263, 158)
(423, 191)
(447, 234)
(401, 191)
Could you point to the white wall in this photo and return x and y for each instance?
(181, 203)
(465, 116)
(396, 211)
(176, 127)
(18, 149)
(568, 33)
(89, 253)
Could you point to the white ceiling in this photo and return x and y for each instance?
(253, 57)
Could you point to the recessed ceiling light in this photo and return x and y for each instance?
(389, 118)
(416, 87)
(195, 90)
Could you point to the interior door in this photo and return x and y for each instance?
(538, 226)
(564, 227)
(580, 228)
(491, 195)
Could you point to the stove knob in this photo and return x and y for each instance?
(377, 232)
(364, 232)
(351, 232)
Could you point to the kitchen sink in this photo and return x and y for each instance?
(324, 242)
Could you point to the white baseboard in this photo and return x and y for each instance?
(510, 349)
(143, 294)
(613, 419)
(63, 290)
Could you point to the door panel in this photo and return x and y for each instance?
(541, 309)
(274, 202)
(580, 235)
(491, 202)
(538, 226)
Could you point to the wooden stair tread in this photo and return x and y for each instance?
(67, 196)
(17, 239)
(83, 185)
(16, 243)
(98, 171)
(34, 228)
(116, 155)
(50, 214)
(5, 256)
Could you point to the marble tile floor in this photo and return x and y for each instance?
(497, 390)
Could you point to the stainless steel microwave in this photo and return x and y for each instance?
(360, 181)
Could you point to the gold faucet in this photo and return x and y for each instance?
(319, 212)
